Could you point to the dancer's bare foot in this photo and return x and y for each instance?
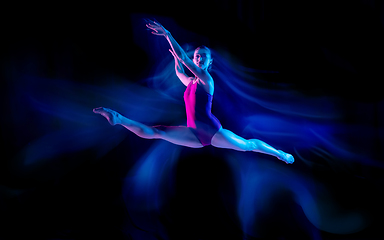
(112, 116)
(286, 157)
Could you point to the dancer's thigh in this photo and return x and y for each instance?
(227, 139)
(179, 135)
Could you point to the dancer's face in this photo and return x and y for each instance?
(202, 58)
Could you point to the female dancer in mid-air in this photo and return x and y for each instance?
(202, 128)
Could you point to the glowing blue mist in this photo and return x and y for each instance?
(142, 187)
(61, 111)
(260, 183)
(149, 184)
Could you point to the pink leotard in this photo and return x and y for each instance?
(198, 104)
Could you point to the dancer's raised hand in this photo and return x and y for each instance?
(157, 28)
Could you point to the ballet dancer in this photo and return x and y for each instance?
(203, 128)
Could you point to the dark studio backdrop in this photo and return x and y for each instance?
(304, 76)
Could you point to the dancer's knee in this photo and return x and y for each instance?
(251, 145)
(148, 132)
(227, 139)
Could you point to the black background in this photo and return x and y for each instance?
(323, 48)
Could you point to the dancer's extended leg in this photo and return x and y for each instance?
(227, 139)
(175, 134)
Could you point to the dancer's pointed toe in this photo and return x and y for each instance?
(286, 157)
(110, 115)
(290, 159)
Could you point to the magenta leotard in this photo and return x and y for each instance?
(198, 104)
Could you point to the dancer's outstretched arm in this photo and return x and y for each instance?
(184, 78)
(159, 30)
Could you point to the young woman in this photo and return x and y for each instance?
(203, 128)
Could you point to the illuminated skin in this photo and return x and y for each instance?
(181, 135)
